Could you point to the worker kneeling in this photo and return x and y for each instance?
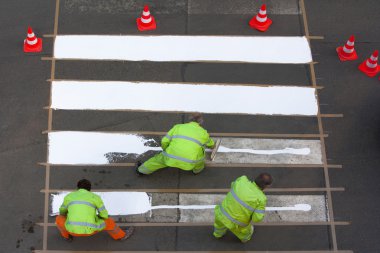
(243, 205)
(183, 147)
(79, 217)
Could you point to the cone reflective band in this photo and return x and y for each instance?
(146, 18)
(261, 22)
(146, 21)
(369, 66)
(262, 16)
(32, 43)
(347, 52)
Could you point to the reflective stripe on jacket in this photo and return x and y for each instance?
(244, 203)
(85, 212)
(184, 145)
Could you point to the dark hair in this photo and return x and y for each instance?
(196, 117)
(264, 180)
(84, 184)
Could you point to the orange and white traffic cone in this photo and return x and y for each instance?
(369, 66)
(146, 22)
(347, 52)
(32, 44)
(261, 22)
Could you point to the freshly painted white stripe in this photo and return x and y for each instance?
(70, 147)
(206, 98)
(129, 203)
(184, 48)
(86, 147)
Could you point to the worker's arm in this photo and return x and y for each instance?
(167, 138)
(210, 143)
(259, 213)
(63, 209)
(102, 211)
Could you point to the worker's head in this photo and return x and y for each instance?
(196, 117)
(264, 180)
(84, 184)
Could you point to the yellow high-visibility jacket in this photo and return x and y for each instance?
(184, 146)
(244, 203)
(85, 212)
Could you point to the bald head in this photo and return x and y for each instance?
(196, 117)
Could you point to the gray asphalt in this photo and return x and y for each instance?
(353, 140)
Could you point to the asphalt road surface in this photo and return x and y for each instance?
(346, 127)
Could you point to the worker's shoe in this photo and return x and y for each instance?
(128, 233)
(196, 172)
(69, 239)
(138, 164)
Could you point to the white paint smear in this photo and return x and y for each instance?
(294, 151)
(184, 48)
(205, 98)
(70, 147)
(129, 203)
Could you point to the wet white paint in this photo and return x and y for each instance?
(71, 147)
(90, 147)
(184, 48)
(294, 151)
(130, 203)
(297, 207)
(205, 98)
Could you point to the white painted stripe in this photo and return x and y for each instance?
(199, 207)
(184, 48)
(206, 98)
(69, 147)
(91, 147)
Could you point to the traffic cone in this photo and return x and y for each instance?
(369, 66)
(347, 52)
(261, 22)
(32, 44)
(146, 22)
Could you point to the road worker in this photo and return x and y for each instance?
(84, 214)
(243, 205)
(183, 147)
